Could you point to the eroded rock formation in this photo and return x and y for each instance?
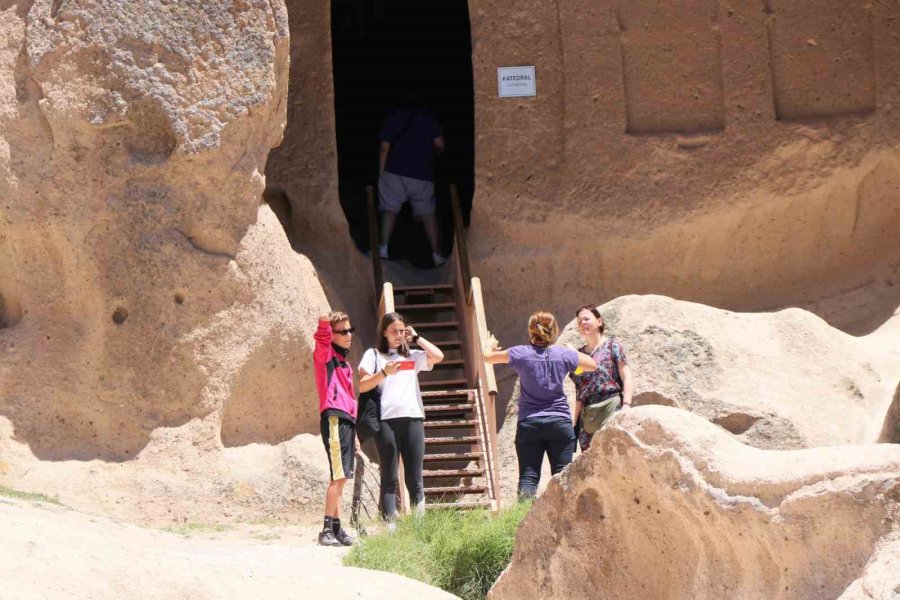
(151, 311)
(666, 505)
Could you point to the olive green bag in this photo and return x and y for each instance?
(595, 416)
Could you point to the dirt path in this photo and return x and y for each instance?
(50, 553)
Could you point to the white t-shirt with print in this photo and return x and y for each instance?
(400, 393)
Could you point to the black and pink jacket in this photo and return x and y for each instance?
(334, 377)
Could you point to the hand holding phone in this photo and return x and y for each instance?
(392, 367)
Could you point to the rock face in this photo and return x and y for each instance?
(302, 172)
(139, 161)
(740, 156)
(666, 505)
(154, 319)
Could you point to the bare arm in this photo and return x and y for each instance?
(627, 383)
(492, 353)
(577, 412)
(383, 155)
(367, 381)
(432, 352)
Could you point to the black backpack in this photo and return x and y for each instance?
(368, 411)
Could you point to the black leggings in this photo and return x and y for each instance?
(406, 436)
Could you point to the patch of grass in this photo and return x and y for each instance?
(462, 552)
(29, 496)
(188, 529)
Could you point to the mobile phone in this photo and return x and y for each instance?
(406, 365)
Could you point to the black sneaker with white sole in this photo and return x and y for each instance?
(344, 538)
(326, 538)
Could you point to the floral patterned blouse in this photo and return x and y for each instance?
(606, 379)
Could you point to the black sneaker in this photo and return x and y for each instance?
(344, 538)
(326, 538)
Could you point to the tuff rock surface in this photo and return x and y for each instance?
(155, 322)
(667, 505)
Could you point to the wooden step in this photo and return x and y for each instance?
(446, 344)
(440, 473)
(452, 363)
(462, 489)
(436, 325)
(453, 457)
(419, 288)
(427, 306)
(458, 505)
(438, 400)
(449, 408)
(446, 393)
(450, 424)
(431, 397)
(445, 401)
(453, 440)
(444, 383)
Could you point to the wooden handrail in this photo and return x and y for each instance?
(386, 301)
(480, 374)
(477, 303)
(462, 251)
(372, 209)
(487, 383)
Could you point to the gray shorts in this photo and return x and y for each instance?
(394, 190)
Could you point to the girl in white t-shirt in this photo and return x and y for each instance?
(394, 368)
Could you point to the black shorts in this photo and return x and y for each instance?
(338, 436)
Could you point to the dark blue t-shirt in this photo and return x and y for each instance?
(542, 372)
(411, 133)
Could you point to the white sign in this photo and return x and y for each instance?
(516, 81)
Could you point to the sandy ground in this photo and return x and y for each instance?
(51, 552)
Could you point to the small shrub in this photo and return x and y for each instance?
(462, 552)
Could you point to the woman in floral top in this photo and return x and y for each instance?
(606, 390)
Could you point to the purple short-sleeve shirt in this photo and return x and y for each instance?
(542, 372)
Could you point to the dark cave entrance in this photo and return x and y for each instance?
(381, 50)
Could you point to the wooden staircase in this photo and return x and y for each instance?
(456, 469)
(459, 394)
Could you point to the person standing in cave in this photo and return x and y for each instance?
(337, 409)
(545, 421)
(410, 137)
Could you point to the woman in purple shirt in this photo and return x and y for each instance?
(545, 421)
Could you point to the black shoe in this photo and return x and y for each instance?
(344, 538)
(326, 538)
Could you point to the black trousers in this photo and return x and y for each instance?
(405, 438)
(536, 436)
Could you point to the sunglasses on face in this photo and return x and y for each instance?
(345, 331)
